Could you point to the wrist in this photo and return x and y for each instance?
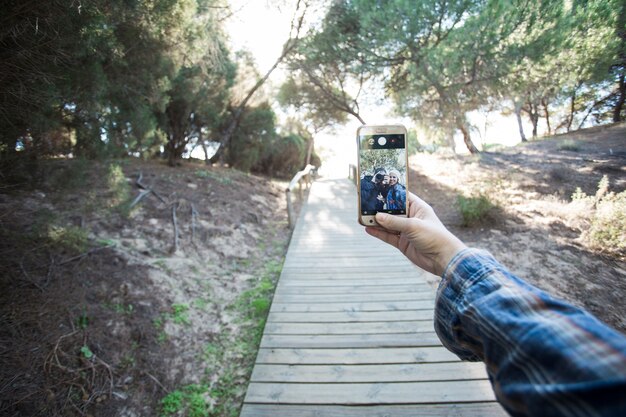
(452, 248)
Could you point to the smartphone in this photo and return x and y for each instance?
(382, 180)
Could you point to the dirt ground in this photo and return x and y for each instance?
(536, 230)
(103, 313)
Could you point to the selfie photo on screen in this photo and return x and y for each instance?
(383, 174)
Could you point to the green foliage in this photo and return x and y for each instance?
(124, 309)
(82, 322)
(117, 184)
(568, 145)
(474, 209)
(72, 238)
(86, 352)
(222, 177)
(70, 176)
(256, 132)
(180, 314)
(413, 143)
(257, 147)
(188, 401)
(113, 77)
(284, 156)
(440, 61)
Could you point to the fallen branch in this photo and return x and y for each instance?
(84, 254)
(174, 206)
(147, 191)
(139, 198)
(194, 216)
(155, 380)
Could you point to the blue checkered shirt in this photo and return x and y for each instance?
(544, 356)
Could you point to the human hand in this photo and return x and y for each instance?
(421, 236)
(380, 197)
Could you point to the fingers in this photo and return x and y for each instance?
(395, 223)
(391, 238)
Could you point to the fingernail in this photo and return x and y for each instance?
(381, 216)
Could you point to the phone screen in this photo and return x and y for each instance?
(383, 173)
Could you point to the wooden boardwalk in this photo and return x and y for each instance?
(350, 330)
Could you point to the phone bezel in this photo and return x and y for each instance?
(369, 220)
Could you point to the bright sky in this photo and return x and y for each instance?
(262, 26)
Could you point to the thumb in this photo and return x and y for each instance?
(395, 223)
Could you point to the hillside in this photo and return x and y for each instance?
(103, 313)
(534, 227)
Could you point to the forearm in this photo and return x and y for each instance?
(544, 357)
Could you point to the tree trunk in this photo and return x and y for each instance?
(546, 114)
(617, 111)
(518, 116)
(309, 152)
(290, 45)
(572, 109)
(227, 135)
(621, 66)
(467, 138)
(533, 114)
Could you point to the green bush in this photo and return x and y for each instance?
(72, 238)
(606, 213)
(118, 186)
(474, 209)
(569, 145)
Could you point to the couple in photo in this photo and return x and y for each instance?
(382, 191)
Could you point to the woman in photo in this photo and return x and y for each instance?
(396, 196)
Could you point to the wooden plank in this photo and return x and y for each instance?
(354, 289)
(365, 276)
(356, 356)
(343, 306)
(369, 373)
(489, 409)
(371, 393)
(345, 262)
(353, 267)
(352, 298)
(350, 340)
(349, 328)
(351, 316)
(387, 282)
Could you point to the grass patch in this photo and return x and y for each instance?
(180, 314)
(188, 401)
(474, 209)
(222, 178)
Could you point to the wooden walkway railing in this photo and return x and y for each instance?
(350, 330)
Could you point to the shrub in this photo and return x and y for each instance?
(605, 228)
(71, 238)
(474, 209)
(118, 187)
(568, 145)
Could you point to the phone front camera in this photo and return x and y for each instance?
(382, 141)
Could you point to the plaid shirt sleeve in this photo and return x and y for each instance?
(544, 356)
